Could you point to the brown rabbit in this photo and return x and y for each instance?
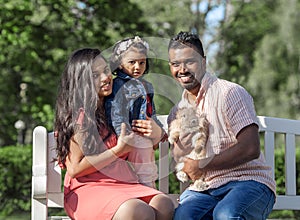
(188, 121)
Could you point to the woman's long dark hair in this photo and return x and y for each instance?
(77, 94)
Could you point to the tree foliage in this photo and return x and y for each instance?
(261, 50)
(167, 19)
(15, 179)
(36, 38)
(241, 33)
(275, 77)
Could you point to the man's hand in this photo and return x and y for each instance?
(191, 167)
(183, 146)
(196, 168)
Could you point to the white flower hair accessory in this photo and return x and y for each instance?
(123, 45)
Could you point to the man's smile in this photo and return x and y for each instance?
(187, 77)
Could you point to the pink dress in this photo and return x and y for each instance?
(97, 196)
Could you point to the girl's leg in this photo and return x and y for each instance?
(143, 161)
(163, 207)
(134, 209)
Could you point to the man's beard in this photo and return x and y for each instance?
(190, 85)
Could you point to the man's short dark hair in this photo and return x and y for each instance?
(184, 39)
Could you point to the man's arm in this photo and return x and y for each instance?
(246, 149)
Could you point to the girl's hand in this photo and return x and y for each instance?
(148, 128)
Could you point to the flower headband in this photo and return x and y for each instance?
(123, 45)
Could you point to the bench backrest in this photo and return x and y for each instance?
(290, 129)
(47, 180)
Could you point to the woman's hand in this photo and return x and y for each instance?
(125, 142)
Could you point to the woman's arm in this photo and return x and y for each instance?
(80, 165)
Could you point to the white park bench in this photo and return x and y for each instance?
(46, 175)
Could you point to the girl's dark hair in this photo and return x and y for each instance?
(122, 46)
(184, 39)
(77, 93)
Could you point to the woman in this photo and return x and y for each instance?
(99, 183)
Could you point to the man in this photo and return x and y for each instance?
(238, 181)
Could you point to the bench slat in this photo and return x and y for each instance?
(39, 191)
(269, 143)
(54, 171)
(290, 165)
(56, 200)
(284, 202)
(163, 170)
(279, 125)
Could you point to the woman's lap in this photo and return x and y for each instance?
(101, 202)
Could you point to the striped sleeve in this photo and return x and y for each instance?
(239, 108)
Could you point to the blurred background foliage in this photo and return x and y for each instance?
(252, 42)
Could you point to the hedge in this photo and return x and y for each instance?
(15, 179)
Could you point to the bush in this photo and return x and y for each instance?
(15, 179)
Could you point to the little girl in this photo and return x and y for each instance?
(132, 99)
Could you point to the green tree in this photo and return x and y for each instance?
(275, 78)
(245, 25)
(172, 16)
(167, 19)
(36, 37)
(260, 50)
